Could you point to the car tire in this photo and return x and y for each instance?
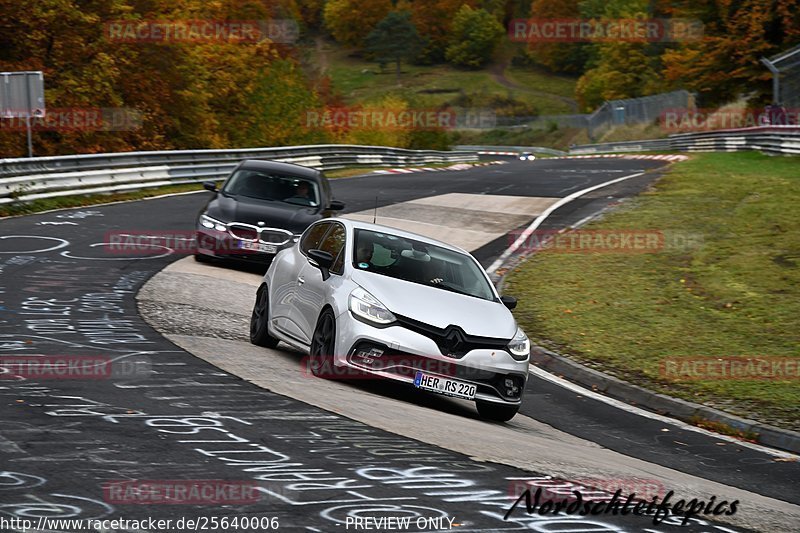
(323, 343)
(259, 333)
(496, 412)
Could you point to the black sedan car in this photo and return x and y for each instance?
(262, 207)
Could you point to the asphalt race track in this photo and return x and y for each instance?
(161, 413)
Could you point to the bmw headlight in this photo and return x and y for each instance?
(366, 306)
(211, 223)
(520, 346)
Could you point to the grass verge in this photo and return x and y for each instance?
(81, 200)
(736, 293)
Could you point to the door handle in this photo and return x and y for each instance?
(300, 280)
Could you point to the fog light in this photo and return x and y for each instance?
(512, 390)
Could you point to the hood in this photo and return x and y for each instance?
(295, 218)
(439, 307)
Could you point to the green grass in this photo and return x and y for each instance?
(361, 81)
(736, 294)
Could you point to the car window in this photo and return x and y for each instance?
(334, 244)
(313, 236)
(265, 185)
(420, 262)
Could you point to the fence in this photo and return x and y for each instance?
(26, 179)
(769, 139)
(611, 113)
(785, 68)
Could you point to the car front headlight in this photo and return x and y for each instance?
(366, 306)
(211, 223)
(520, 346)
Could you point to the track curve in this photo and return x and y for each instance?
(62, 297)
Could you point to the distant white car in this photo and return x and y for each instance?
(527, 156)
(390, 304)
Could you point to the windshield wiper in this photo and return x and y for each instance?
(452, 288)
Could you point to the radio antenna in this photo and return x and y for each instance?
(375, 213)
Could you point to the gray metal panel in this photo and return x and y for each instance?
(21, 94)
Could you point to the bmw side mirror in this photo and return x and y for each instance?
(322, 260)
(509, 301)
(210, 186)
(336, 205)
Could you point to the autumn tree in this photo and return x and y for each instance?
(566, 57)
(433, 20)
(350, 21)
(311, 12)
(473, 38)
(624, 70)
(725, 62)
(394, 39)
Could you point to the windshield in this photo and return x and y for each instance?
(270, 186)
(420, 262)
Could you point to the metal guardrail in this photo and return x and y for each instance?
(769, 139)
(622, 146)
(23, 180)
(532, 149)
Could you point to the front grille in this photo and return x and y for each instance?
(452, 341)
(243, 232)
(378, 357)
(271, 236)
(249, 232)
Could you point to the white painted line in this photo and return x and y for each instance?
(535, 370)
(541, 218)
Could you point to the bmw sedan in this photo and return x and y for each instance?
(368, 300)
(262, 207)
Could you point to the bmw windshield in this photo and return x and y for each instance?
(420, 262)
(273, 187)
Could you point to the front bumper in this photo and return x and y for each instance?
(404, 352)
(223, 245)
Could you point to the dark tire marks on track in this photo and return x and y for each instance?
(67, 438)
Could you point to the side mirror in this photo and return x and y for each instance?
(336, 205)
(509, 301)
(210, 186)
(322, 260)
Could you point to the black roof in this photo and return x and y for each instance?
(285, 168)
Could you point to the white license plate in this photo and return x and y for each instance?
(258, 247)
(447, 386)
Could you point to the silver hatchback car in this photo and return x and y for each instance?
(365, 300)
